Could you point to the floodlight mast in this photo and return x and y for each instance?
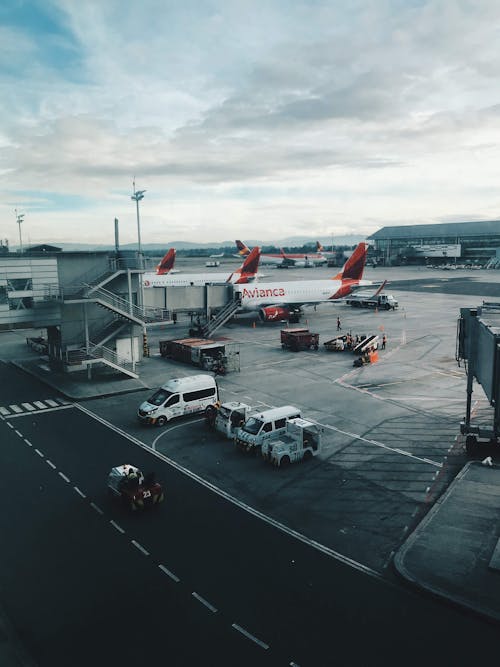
(137, 196)
(19, 220)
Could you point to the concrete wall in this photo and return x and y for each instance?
(77, 267)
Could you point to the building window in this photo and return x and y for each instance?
(21, 304)
(20, 284)
(3, 294)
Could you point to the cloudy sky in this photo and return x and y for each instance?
(246, 119)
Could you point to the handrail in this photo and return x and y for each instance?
(102, 352)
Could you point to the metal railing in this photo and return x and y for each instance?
(100, 353)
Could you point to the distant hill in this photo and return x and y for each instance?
(288, 242)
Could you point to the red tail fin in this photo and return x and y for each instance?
(248, 269)
(242, 248)
(319, 247)
(355, 265)
(167, 263)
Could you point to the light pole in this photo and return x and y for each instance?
(19, 220)
(137, 196)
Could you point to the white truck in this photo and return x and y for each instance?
(382, 301)
(300, 442)
(228, 417)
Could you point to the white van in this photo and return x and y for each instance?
(181, 396)
(263, 426)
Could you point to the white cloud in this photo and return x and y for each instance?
(252, 121)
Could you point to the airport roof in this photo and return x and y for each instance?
(455, 229)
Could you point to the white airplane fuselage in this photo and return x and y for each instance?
(300, 292)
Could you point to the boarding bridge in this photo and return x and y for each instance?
(478, 344)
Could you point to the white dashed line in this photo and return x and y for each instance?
(115, 525)
(66, 479)
(28, 442)
(204, 602)
(140, 547)
(39, 453)
(249, 636)
(169, 574)
(80, 493)
(9, 424)
(96, 508)
(50, 464)
(18, 433)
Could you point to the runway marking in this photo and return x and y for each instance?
(153, 444)
(39, 453)
(80, 493)
(15, 408)
(45, 409)
(9, 424)
(28, 406)
(140, 547)
(4, 412)
(27, 442)
(247, 508)
(63, 476)
(250, 636)
(115, 525)
(51, 403)
(169, 573)
(381, 445)
(96, 508)
(204, 602)
(40, 405)
(18, 433)
(50, 464)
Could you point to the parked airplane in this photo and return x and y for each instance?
(219, 255)
(284, 259)
(244, 274)
(167, 264)
(276, 301)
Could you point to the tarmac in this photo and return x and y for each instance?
(454, 553)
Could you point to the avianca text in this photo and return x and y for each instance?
(256, 292)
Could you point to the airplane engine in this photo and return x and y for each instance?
(274, 314)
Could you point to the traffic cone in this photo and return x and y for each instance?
(253, 324)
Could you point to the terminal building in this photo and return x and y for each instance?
(458, 243)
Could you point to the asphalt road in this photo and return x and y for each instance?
(82, 590)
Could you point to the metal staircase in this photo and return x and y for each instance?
(109, 332)
(100, 354)
(90, 287)
(223, 315)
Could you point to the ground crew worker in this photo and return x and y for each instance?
(338, 324)
(384, 341)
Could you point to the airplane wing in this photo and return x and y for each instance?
(354, 290)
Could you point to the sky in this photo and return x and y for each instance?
(246, 119)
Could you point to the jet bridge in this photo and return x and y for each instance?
(478, 344)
